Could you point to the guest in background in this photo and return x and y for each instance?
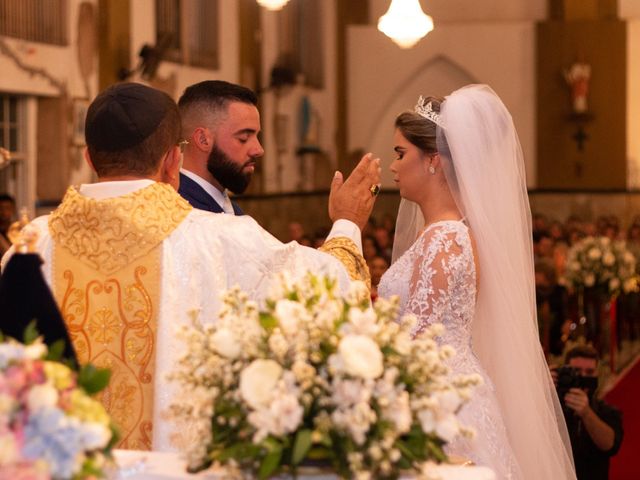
(369, 247)
(7, 215)
(542, 244)
(295, 231)
(551, 300)
(384, 241)
(377, 266)
(539, 222)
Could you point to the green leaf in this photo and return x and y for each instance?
(93, 379)
(55, 351)
(405, 450)
(270, 463)
(30, 333)
(301, 446)
(319, 453)
(268, 321)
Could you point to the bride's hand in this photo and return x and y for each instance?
(353, 198)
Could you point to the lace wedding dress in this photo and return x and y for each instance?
(435, 280)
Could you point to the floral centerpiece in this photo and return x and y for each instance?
(602, 263)
(49, 425)
(317, 377)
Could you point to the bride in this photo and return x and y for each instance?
(463, 257)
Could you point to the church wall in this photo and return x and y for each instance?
(598, 159)
(284, 171)
(58, 63)
(633, 102)
(178, 76)
(454, 54)
(629, 9)
(53, 83)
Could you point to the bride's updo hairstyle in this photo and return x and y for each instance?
(419, 130)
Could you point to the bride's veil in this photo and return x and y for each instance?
(484, 167)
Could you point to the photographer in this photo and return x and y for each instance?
(595, 428)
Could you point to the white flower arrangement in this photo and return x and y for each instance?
(600, 262)
(316, 377)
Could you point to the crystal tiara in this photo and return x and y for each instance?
(426, 111)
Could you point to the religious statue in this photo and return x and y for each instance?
(5, 157)
(577, 77)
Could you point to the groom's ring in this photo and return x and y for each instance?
(374, 189)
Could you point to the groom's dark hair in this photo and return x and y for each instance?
(211, 99)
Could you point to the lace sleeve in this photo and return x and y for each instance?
(442, 278)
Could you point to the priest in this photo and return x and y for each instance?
(129, 260)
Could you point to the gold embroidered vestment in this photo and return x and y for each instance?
(106, 277)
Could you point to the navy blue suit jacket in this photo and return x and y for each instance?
(199, 198)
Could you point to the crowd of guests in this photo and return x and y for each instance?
(557, 306)
(559, 309)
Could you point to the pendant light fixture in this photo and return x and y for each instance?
(272, 4)
(405, 22)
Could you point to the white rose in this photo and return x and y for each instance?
(447, 427)
(595, 253)
(361, 356)
(95, 435)
(258, 381)
(225, 343)
(41, 396)
(363, 322)
(427, 421)
(35, 351)
(288, 413)
(289, 315)
(609, 259)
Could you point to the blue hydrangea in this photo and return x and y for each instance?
(55, 438)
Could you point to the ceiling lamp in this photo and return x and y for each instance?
(405, 22)
(272, 4)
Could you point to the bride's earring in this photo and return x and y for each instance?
(432, 170)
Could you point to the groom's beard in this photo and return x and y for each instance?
(229, 174)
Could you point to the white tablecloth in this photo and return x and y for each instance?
(136, 465)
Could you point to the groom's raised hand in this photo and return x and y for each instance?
(352, 199)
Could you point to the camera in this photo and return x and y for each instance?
(569, 377)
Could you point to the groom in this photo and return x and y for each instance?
(129, 260)
(220, 122)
